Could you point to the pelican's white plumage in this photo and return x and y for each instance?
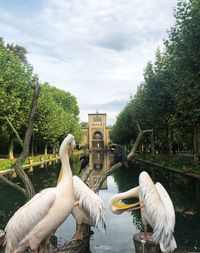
(90, 210)
(34, 222)
(157, 210)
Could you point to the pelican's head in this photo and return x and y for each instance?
(69, 141)
(117, 205)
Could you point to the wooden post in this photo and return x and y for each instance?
(142, 246)
(42, 162)
(50, 159)
(30, 169)
(13, 174)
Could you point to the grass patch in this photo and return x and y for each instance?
(6, 164)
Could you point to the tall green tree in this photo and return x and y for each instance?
(19, 51)
(168, 99)
(16, 83)
(183, 47)
(64, 99)
(54, 120)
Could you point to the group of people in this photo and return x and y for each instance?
(164, 149)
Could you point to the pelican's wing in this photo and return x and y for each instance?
(153, 204)
(167, 242)
(29, 215)
(90, 202)
(159, 212)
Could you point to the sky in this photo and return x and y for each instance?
(95, 49)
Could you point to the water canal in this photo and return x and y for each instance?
(120, 228)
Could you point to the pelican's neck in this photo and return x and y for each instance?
(66, 168)
(124, 195)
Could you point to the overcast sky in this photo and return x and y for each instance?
(95, 49)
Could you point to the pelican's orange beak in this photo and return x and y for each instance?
(127, 207)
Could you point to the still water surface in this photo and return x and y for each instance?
(120, 228)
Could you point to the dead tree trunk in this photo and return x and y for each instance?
(28, 189)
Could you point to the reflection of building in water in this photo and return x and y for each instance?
(99, 164)
(96, 132)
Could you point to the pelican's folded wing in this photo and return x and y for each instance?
(167, 241)
(90, 202)
(29, 215)
(159, 212)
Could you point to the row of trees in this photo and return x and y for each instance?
(168, 98)
(57, 112)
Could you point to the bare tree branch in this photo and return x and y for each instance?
(16, 186)
(139, 128)
(25, 152)
(14, 130)
(86, 174)
(103, 177)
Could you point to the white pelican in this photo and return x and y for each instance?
(156, 210)
(34, 222)
(88, 209)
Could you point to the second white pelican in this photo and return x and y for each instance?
(156, 210)
(89, 207)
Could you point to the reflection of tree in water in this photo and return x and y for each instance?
(10, 200)
(126, 178)
(137, 220)
(187, 231)
(45, 177)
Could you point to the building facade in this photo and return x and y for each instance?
(96, 134)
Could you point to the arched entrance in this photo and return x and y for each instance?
(97, 142)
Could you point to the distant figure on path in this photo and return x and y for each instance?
(175, 148)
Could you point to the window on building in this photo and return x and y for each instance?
(98, 136)
(97, 121)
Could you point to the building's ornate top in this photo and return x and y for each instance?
(97, 113)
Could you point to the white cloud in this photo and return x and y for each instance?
(97, 50)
